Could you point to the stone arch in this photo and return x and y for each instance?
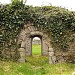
(25, 40)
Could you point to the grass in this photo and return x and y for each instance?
(36, 49)
(36, 65)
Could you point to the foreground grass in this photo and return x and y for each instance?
(35, 66)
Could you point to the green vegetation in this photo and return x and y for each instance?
(57, 22)
(35, 66)
(36, 49)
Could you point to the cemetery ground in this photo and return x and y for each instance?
(36, 65)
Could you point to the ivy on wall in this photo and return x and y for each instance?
(55, 20)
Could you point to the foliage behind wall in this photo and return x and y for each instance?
(57, 22)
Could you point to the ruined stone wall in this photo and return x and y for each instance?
(26, 36)
(25, 40)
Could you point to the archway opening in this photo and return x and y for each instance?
(36, 46)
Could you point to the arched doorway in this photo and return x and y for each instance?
(25, 40)
(26, 37)
(36, 45)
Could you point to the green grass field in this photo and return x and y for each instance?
(36, 65)
(36, 49)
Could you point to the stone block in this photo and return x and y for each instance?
(50, 49)
(50, 60)
(22, 60)
(51, 54)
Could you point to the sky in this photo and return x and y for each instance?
(69, 4)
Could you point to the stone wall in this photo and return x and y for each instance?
(55, 56)
(25, 41)
(26, 36)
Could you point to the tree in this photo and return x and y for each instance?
(22, 1)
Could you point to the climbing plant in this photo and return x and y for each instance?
(56, 21)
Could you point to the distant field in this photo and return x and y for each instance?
(36, 49)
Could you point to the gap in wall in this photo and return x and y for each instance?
(36, 46)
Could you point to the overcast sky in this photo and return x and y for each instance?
(69, 4)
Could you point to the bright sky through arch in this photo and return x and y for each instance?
(69, 4)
